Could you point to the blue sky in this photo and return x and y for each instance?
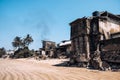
(46, 19)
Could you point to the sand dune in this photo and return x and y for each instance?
(29, 69)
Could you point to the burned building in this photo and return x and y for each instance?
(91, 35)
(80, 30)
(51, 50)
(48, 48)
(63, 49)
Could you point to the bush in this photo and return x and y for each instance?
(22, 53)
(2, 52)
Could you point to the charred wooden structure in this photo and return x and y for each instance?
(63, 49)
(49, 47)
(80, 30)
(47, 51)
(51, 50)
(91, 38)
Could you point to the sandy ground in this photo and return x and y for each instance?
(30, 69)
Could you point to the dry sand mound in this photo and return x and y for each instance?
(29, 69)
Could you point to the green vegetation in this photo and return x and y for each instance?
(2, 52)
(22, 43)
(22, 47)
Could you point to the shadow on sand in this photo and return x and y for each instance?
(66, 64)
(63, 64)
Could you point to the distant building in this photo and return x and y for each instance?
(49, 48)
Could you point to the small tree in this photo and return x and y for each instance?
(28, 40)
(22, 46)
(22, 43)
(17, 43)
